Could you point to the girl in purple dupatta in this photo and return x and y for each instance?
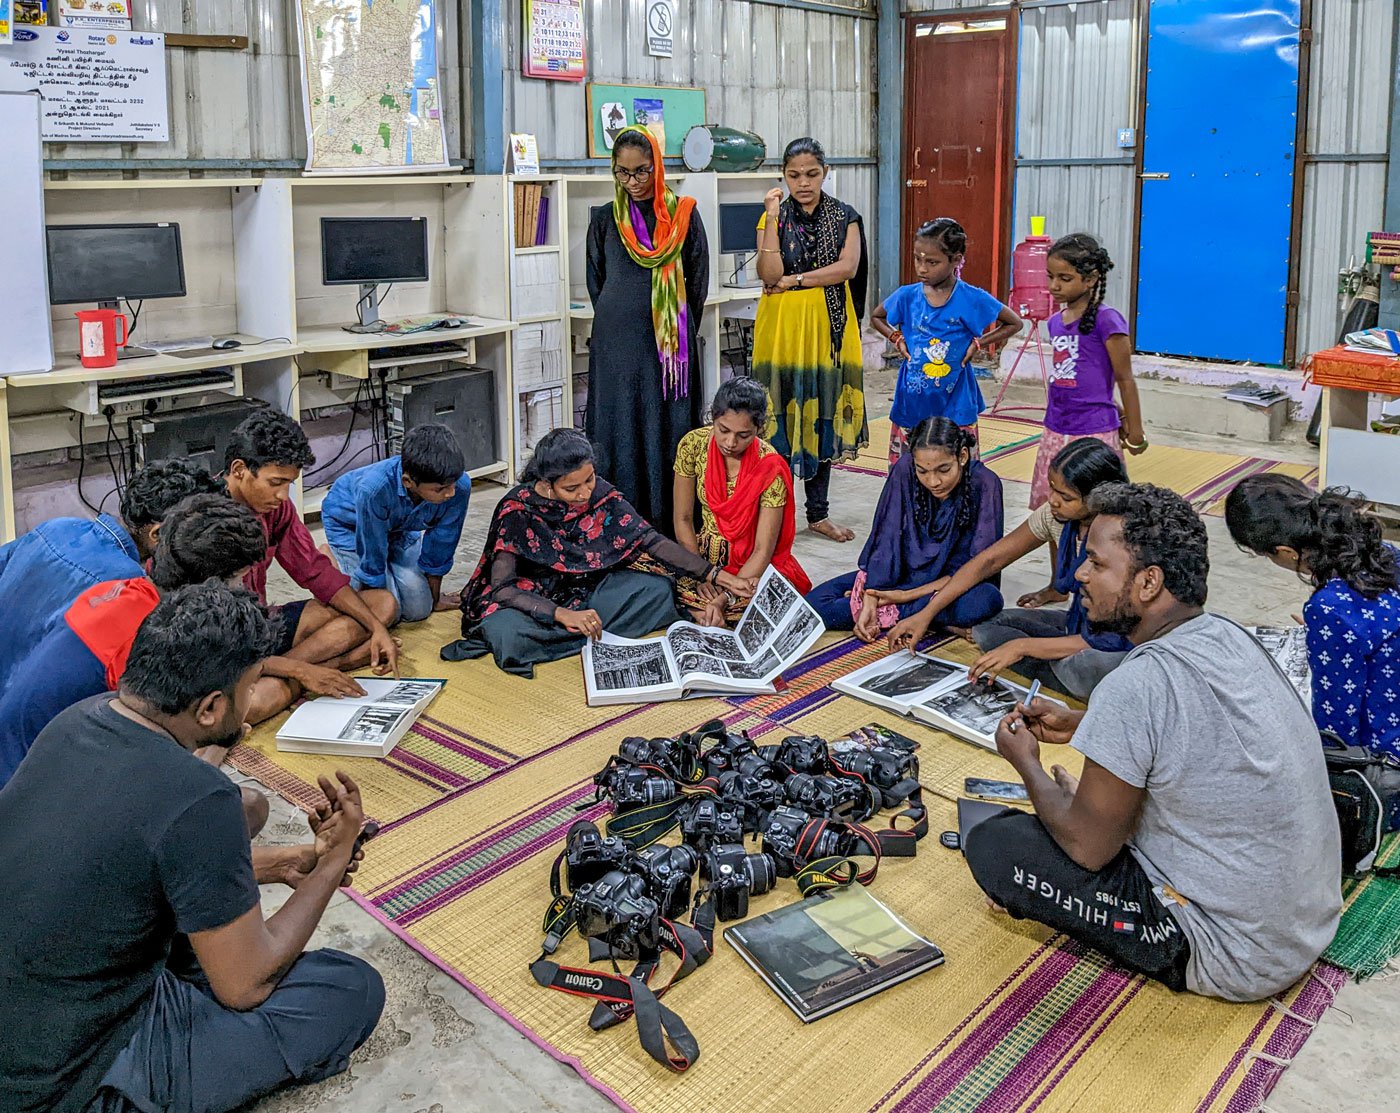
(939, 508)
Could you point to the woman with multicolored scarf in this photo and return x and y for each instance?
(806, 341)
(648, 273)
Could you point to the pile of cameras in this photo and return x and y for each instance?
(802, 805)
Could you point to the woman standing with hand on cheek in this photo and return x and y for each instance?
(806, 344)
(648, 273)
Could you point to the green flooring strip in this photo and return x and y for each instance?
(1369, 935)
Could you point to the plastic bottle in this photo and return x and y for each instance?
(1030, 292)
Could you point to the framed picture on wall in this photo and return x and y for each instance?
(552, 44)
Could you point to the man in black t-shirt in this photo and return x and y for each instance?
(136, 970)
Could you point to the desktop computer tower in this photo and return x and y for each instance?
(200, 433)
(463, 399)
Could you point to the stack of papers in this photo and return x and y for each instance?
(1374, 341)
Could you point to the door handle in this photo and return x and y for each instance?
(1155, 176)
(917, 151)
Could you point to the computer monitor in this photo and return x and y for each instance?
(104, 263)
(738, 236)
(367, 251)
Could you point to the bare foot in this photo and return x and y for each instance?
(831, 531)
(993, 906)
(962, 632)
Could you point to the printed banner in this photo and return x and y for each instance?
(97, 86)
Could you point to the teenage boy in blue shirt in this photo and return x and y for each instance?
(396, 524)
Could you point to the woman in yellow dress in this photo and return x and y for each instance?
(806, 343)
(744, 491)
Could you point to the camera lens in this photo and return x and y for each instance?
(762, 871)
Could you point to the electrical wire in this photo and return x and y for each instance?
(345, 444)
(82, 461)
(119, 481)
(135, 313)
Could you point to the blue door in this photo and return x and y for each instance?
(1217, 188)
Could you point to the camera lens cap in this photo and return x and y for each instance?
(951, 840)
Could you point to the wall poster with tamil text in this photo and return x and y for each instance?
(370, 86)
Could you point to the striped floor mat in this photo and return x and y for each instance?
(476, 808)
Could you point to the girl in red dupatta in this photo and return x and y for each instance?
(744, 489)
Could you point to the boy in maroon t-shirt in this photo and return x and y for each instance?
(339, 628)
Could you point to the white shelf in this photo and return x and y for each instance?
(461, 355)
(538, 318)
(155, 183)
(384, 180)
(581, 313)
(497, 468)
(338, 340)
(69, 369)
(543, 249)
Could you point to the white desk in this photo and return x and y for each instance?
(347, 353)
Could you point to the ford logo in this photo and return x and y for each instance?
(23, 36)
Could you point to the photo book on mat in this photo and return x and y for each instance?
(1288, 646)
(831, 950)
(370, 725)
(936, 692)
(689, 660)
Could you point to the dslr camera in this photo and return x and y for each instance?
(631, 786)
(895, 773)
(588, 855)
(753, 797)
(677, 757)
(783, 831)
(845, 798)
(798, 753)
(735, 753)
(707, 821)
(617, 910)
(732, 875)
(667, 871)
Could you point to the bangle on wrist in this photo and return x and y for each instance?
(1129, 444)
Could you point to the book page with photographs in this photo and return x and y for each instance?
(971, 709)
(370, 723)
(899, 681)
(1288, 646)
(777, 628)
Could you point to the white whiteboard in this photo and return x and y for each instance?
(26, 343)
(98, 86)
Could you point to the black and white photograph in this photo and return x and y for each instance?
(630, 666)
(763, 665)
(775, 596)
(754, 629)
(700, 662)
(977, 706)
(408, 692)
(713, 643)
(799, 628)
(1288, 646)
(370, 725)
(916, 675)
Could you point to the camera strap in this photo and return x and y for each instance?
(662, 1033)
(837, 870)
(902, 842)
(642, 826)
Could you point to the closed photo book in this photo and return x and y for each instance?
(831, 950)
(938, 693)
(366, 726)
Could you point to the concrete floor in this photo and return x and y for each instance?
(439, 1050)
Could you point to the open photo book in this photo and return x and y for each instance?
(831, 950)
(689, 660)
(936, 692)
(366, 726)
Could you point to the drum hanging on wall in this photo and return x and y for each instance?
(724, 150)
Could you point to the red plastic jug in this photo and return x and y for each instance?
(1030, 289)
(97, 336)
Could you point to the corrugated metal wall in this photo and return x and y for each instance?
(781, 72)
(1078, 86)
(1348, 116)
(246, 104)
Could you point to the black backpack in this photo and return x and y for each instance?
(1366, 792)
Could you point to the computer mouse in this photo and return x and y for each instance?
(452, 322)
(225, 343)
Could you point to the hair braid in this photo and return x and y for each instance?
(1088, 257)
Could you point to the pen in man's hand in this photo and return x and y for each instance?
(1015, 724)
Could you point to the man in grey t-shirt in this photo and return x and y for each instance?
(1200, 846)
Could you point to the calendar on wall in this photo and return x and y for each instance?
(553, 46)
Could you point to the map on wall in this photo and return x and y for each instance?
(370, 86)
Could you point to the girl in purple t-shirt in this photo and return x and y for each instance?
(1091, 354)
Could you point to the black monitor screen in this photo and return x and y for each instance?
(105, 262)
(738, 227)
(371, 249)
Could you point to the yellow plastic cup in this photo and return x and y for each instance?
(1037, 226)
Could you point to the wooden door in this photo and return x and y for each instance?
(959, 99)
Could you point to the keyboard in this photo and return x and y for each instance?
(215, 378)
(403, 351)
